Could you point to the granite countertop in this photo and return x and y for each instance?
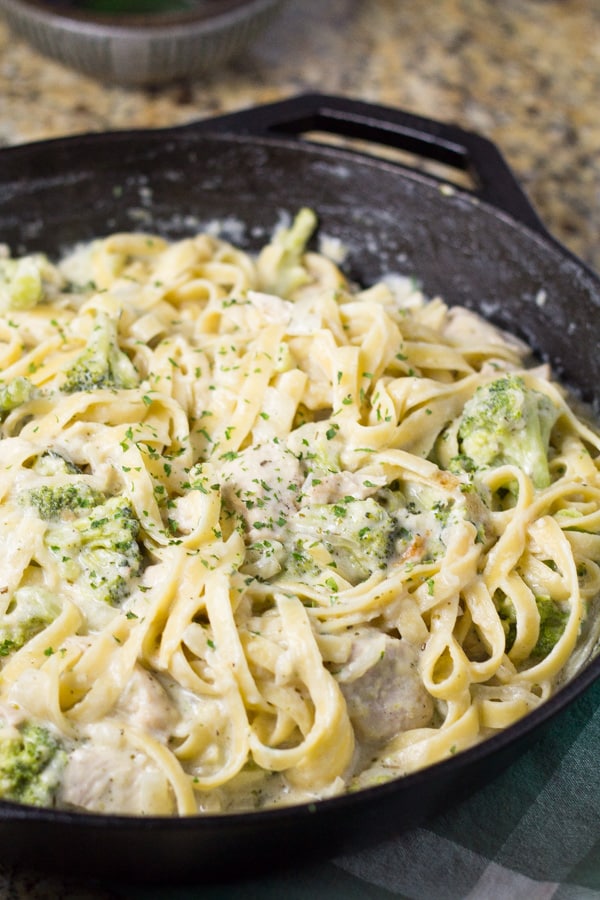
(524, 73)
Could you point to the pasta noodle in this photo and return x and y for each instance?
(268, 536)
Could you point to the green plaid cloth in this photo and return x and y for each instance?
(531, 834)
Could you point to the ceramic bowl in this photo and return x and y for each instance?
(139, 42)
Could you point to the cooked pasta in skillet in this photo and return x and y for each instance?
(268, 536)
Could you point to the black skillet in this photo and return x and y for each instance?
(484, 248)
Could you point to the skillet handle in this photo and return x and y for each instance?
(428, 138)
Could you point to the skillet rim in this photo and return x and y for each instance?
(528, 727)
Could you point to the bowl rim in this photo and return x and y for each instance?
(60, 15)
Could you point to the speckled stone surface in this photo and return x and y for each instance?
(525, 73)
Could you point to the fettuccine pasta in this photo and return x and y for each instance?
(268, 536)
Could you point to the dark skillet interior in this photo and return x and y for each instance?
(53, 195)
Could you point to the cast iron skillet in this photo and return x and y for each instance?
(484, 248)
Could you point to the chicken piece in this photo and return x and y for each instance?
(334, 486)
(261, 484)
(146, 705)
(107, 775)
(383, 689)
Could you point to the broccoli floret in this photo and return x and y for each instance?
(31, 609)
(552, 623)
(99, 550)
(31, 763)
(52, 463)
(52, 501)
(508, 618)
(21, 284)
(102, 364)
(359, 535)
(506, 422)
(553, 619)
(300, 562)
(14, 393)
(317, 446)
(280, 262)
